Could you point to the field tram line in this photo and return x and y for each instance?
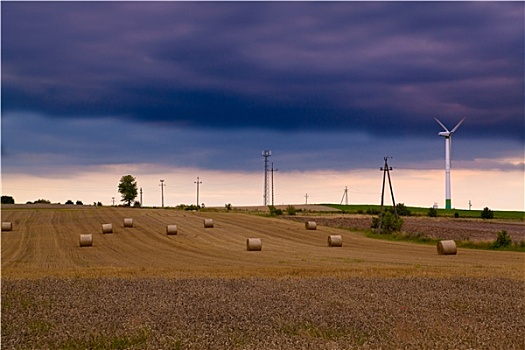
(184, 229)
(296, 234)
(152, 235)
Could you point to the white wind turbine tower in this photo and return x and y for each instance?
(448, 145)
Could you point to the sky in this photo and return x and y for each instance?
(92, 91)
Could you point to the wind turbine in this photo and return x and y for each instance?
(448, 145)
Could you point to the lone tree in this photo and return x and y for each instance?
(8, 200)
(128, 188)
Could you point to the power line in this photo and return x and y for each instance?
(345, 196)
(386, 171)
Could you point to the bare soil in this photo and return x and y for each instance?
(439, 228)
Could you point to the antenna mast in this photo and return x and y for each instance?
(266, 154)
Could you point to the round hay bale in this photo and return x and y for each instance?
(171, 230)
(208, 223)
(128, 222)
(335, 241)
(7, 226)
(447, 247)
(107, 228)
(310, 225)
(253, 244)
(86, 240)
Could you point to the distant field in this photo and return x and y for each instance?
(141, 289)
(419, 211)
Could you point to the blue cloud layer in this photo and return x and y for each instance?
(354, 66)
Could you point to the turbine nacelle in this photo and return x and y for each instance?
(447, 133)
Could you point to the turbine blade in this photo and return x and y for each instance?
(440, 123)
(457, 126)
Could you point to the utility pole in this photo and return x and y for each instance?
(162, 184)
(272, 180)
(345, 196)
(306, 197)
(113, 199)
(141, 196)
(198, 183)
(266, 154)
(386, 171)
(469, 204)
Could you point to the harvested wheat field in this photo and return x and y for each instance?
(139, 288)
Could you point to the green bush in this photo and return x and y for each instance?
(503, 240)
(487, 213)
(290, 210)
(403, 210)
(390, 223)
(190, 207)
(432, 212)
(274, 211)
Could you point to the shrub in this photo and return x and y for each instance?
(390, 223)
(79, 203)
(432, 212)
(503, 240)
(487, 213)
(43, 201)
(274, 211)
(136, 204)
(403, 210)
(190, 207)
(456, 215)
(228, 206)
(69, 201)
(290, 210)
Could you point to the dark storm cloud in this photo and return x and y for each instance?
(373, 67)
